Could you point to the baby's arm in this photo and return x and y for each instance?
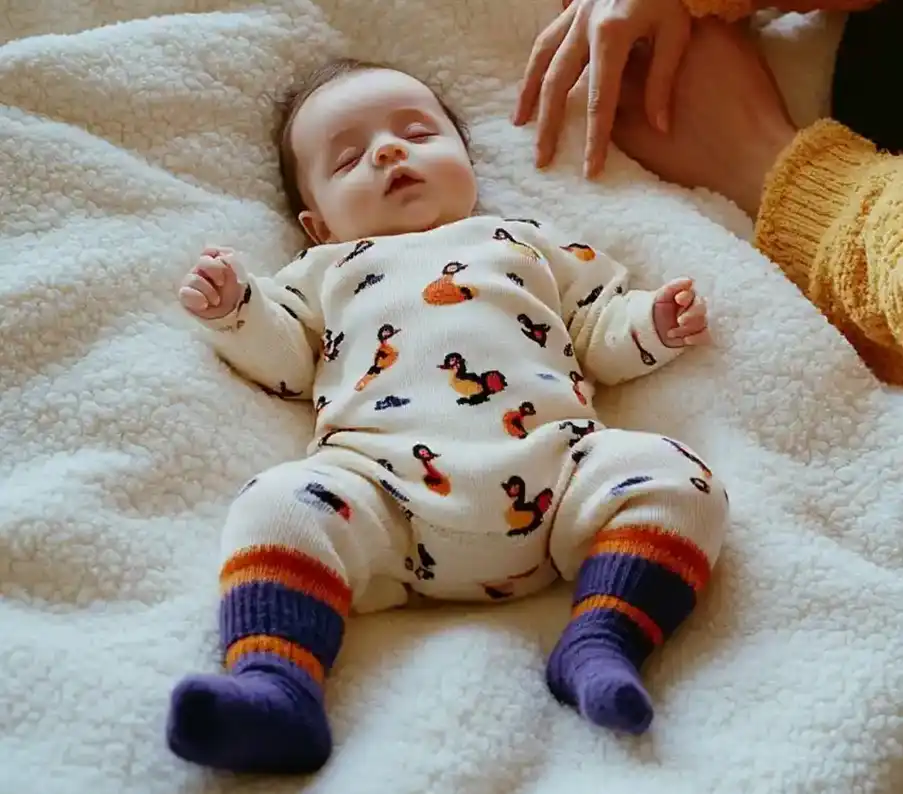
(619, 333)
(260, 323)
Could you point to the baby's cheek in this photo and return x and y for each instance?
(462, 185)
(349, 208)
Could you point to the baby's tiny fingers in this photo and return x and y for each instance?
(202, 284)
(685, 330)
(193, 300)
(702, 338)
(213, 251)
(214, 271)
(685, 298)
(697, 310)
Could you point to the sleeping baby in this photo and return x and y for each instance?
(451, 358)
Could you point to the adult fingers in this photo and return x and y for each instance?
(564, 71)
(544, 49)
(609, 48)
(670, 43)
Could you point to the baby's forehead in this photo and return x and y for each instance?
(355, 97)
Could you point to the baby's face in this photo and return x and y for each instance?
(377, 155)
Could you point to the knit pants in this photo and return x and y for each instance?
(638, 525)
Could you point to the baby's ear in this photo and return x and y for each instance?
(314, 225)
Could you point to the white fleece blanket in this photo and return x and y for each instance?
(124, 148)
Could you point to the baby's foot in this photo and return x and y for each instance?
(588, 670)
(266, 717)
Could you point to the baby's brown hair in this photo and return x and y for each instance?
(299, 93)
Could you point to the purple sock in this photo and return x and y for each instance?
(633, 590)
(595, 668)
(265, 716)
(282, 619)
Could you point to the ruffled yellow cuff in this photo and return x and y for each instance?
(810, 185)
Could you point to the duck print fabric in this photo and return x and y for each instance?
(454, 374)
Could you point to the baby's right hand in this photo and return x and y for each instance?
(211, 290)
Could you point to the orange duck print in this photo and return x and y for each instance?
(525, 516)
(385, 355)
(475, 388)
(433, 479)
(522, 248)
(513, 421)
(583, 252)
(445, 292)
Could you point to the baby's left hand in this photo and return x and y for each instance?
(679, 315)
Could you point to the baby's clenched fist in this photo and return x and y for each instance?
(211, 290)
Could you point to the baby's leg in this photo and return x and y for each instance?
(639, 528)
(301, 543)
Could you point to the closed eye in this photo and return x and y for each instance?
(418, 132)
(347, 161)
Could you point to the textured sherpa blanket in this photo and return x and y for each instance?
(133, 133)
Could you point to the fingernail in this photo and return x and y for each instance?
(215, 300)
(661, 121)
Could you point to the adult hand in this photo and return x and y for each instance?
(729, 121)
(600, 33)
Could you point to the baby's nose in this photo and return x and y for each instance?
(390, 152)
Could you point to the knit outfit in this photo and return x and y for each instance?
(456, 454)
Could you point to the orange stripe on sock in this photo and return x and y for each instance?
(261, 643)
(668, 549)
(648, 626)
(288, 567)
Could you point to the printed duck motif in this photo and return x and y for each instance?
(445, 292)
(522, 248)
(433, 479)
(525, 517)
(581, 251)
(513, 421)
(385, 356)
(475, 388)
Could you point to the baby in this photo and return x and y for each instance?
(451, 359)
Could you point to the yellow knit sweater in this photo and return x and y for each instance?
(832, 218)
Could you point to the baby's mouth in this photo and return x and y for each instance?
(400, 182)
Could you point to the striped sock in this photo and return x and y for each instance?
(282, 619)
(635, 587)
